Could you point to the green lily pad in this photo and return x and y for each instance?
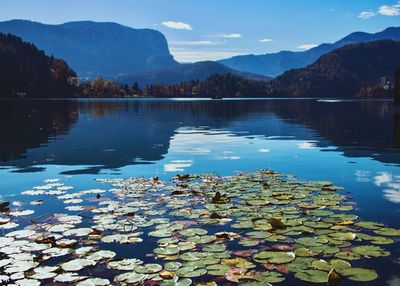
(130, 277)
(193, 232)
(149, 268)
(179, 282)
(214, 248)
(326, 249)
(245, 265)
(172, 266)
(304, 252)
(202, 239)
(369, 224)
(161, 233)
(312, 276)
(217, 269)
(321, 264)
(375, 239)
(299, 264)
(348, 255)
(258, 234)
(248, 242)
(269, 277)
(190, 272)
(311, 241)
(388, 231)
(359, 274)
(186, 245)
(370, 250)
(277, 257)
(257, 202)
(192, 256)
(169, 250)
(343, 235)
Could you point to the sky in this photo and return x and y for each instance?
(217, 29)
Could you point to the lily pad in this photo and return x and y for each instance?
(179, 282)
(149, 268)
(370, 250)
(348, 255)
(312, 276)
(277, 257)
(369, 224)
(359, 274)
(388, 231)
(190, 272)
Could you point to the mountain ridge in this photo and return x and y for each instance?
(274, 64)
(347, 71)
(96, 48)
(185, 72)
(26, 71)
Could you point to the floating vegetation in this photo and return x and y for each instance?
(257, 228)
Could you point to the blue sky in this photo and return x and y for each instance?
(215, 29)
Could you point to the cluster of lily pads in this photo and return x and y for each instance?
(256, 228)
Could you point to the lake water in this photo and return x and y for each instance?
(354, 144)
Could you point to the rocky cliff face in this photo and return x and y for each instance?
(97, 49)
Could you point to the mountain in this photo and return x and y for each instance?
(215, 86)
(348, 71)
(277, 63)
(184, 72)
(97, 49)
(27, 71)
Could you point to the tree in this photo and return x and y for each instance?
(98, 86)
(135, 87)
(397, 87)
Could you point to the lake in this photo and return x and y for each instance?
(352, 143)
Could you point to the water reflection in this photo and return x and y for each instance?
(29, 124)
(354, 144)
(113, 134)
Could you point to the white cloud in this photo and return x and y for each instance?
(393, 10)
(392, 195)
(230, 158)
(177, 165)
(177, 25)
(231, 36)
(366, 14)
(383, 178)
(266, 40)
(263, 150)
(363, 176)
(307, 145)
(194, 43)
(307, 46)
(196, 56)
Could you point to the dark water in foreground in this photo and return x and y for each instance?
(355, 144)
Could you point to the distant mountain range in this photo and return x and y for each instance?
(97, 49)
(185, 72)
(344, 72)
(26, 71)
(114, 52)
(352, 70)
(277, 63)
(128, 55)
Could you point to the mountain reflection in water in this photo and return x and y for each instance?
(110, 134)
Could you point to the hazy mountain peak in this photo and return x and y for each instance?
(277, 63)
(97, 48)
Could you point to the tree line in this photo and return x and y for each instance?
(26, 71)
(217, 85)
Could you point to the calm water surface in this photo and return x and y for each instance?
(355, 144)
